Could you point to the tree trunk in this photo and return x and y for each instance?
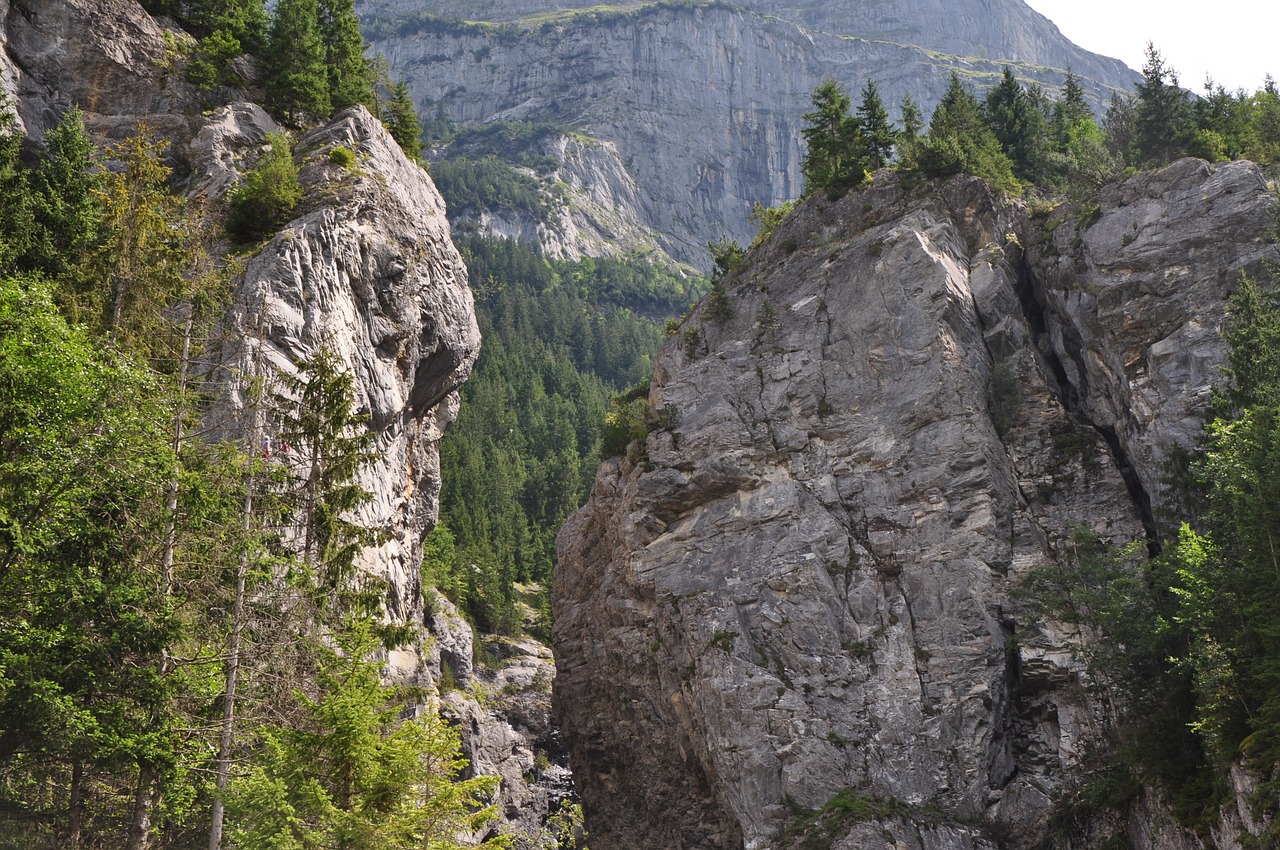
(144, 799)
(75, 806)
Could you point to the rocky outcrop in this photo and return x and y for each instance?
(368, 272)
(704, 103)
(592, 203)
(800, 585)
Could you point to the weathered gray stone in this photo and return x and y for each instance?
(802, 580)
(705, 104)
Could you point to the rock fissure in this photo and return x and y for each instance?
(1034, 309)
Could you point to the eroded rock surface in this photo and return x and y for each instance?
(800, 583)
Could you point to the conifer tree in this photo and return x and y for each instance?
(960, 141)
(332, 444)
(402, 120)
(878, 135)
(836, 157)
(1162, 117)
(350, 79)
(297, 79)
(912, 120)
(143, 255)
(65, 190)
(1018, 124)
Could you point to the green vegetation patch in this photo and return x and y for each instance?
(819, 829)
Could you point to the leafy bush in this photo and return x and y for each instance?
(267, 196)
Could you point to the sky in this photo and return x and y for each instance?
(1235, 41)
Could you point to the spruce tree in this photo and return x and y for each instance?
(836, 158)
(350, 79)
(1018, 124)
(402, 121)
(877, 133)
(1162, 116)
(297, 79)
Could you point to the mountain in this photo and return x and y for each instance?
(703, 101)
(796, 613)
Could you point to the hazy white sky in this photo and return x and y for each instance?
(1236, 41)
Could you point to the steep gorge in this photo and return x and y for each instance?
(802, 583)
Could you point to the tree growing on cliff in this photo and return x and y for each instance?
(265, 198)
(297, 78)
(835, 159)
(878, 134)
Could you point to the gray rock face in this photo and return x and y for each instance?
(367, 271)
(801, 582)
(704, 104)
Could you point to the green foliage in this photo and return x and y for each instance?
(297, 79)
(350, 80)
(84, 624)
(559, 341)
(343, 157)
(265, 198)
(471, 186)
(767, 220)
(402, 121)
(836, 157)
(1162, 115)
(331, 443)
(1017, 120)
(819, 829)
(878, 134)
(727, 257)
(139, 263)
(353, 774)
(209, 65)
(626, 421)
(959, 141)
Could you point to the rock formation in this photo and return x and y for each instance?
(704, 101)
(800, 584)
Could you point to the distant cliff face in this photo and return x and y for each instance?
(800, 584)
(704, 103)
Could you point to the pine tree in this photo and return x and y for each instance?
(297, 79)
(350, 79)
(65, 191)
(836, 158)
(1018, 124)
(1162, 117)
(332, 444)
(402, 121)
(143, 254)
(912, 125)
(960, 141)
(877, 133)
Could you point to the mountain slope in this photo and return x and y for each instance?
(704, 101)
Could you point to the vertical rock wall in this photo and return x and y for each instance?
(800, 583)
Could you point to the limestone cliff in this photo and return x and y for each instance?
(800, 584)
(704, 101)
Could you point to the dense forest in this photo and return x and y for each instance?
(560, 341)
(1018, 138)
(188, 655)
